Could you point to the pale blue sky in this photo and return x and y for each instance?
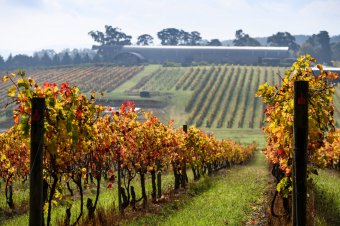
(30, 25)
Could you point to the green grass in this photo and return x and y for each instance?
(149, 69)
(20, 198)
(327, 197)
(226, 198)
(175, 110)
(336, 63)
(231, 194)
(165, 81)
(243, 136)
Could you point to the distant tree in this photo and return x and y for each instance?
(113, 37)
(8, 62)
(242, 39)
(77, 59)
(335, 51)
(21, 61)
(66, 60)
(308, 48)
(36, 60)
(184, 38)
(86, 59)
(97, 59)
(64, 51)
(2, 63)
(169, 36)
(283, 39)
(325, 52)
(144, 40)
(73, 53)
(195, 38)
(83, 52)
(214, 42)
(45, 60)
(56, 60)
(41, 53)
(174, 36)
(318, 45)
(189, 38)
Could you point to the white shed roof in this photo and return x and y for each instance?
(210, 47)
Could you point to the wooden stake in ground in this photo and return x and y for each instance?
(300, 152)
(36, 162)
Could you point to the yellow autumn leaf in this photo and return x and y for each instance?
(55, 203)
(2, 157)
(31, 81)
(4, 78)
(83, 170)
(11, 170)
(11, 91)
(46, 207)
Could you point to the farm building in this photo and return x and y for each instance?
(332, 69)
(248, 55)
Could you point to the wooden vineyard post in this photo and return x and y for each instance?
(36, 162)
(300, 152)
(184, 170)
(185, 128)
(119, 185)
(119, 178)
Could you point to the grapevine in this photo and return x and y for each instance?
(81, 143)
(279, 118)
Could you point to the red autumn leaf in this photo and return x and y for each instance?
(110, 172)
(67, 93)
(79, 113)
(64, 88)
(21, 108)
(93, 166)
(112, 178)
(109, 185)
(281, 152)
(64, 85)
(46, 84)
(16, 119)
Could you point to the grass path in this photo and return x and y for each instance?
(227, 198)
(327, 197)
(149, 69)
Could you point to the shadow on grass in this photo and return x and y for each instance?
(7, 214)
(176, 201)
(172, 203)
(326, 207)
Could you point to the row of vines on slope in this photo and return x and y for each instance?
(88, 78)
(81, 144)
(225, 99)
(322, 141)
(207, 94)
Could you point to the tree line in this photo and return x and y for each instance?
(317, 45)
(48, 58)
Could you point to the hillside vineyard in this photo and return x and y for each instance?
(220, 96)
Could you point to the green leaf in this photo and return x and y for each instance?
(23, 83)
